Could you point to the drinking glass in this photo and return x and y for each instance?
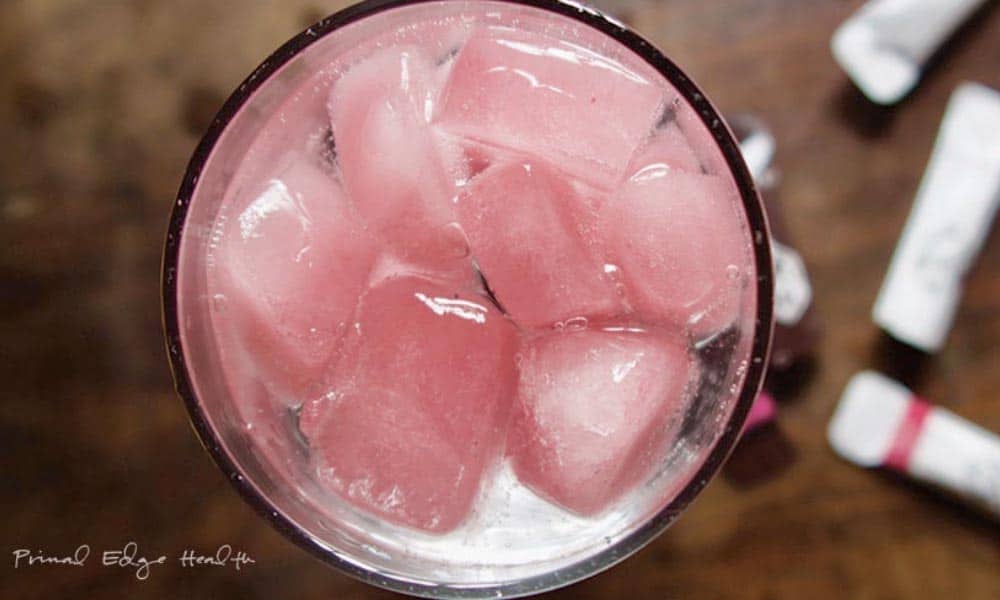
(269, 465)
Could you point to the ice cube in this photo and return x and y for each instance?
(551, 98)
(593, 413)
(288, 269)
(417, 403)
(519, 218)
(677, 241)
(391, 160)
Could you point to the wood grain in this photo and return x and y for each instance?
(101, 105)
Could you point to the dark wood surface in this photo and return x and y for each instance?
(101, 104)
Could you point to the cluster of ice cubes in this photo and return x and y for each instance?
(505, 256)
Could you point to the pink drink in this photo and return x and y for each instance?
(481, 286)
(508, 238)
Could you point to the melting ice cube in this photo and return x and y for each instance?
(416, 403)
(391, 160)
(290, 266)
(519, 218)
(677, 240)
(592, 413)
(551, 98)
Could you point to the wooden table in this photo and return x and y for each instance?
(101, 105)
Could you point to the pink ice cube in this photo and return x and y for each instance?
(519, 218)
(289, 268)
(676, 240)
(417, 403)
(392, 162)
(551, 98)
(592, 413)
(667, 148)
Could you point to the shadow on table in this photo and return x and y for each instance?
(899, 361)
(762, 455)
(787, 385)
(968, 516)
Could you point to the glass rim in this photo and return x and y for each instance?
(626, 546)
